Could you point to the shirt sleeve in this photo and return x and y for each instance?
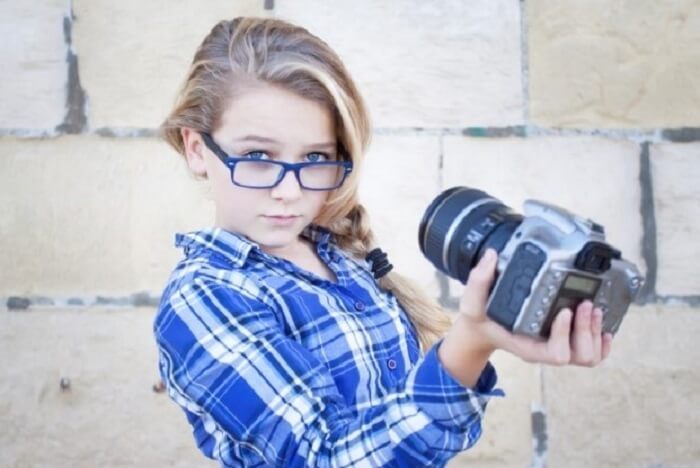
(258, 398)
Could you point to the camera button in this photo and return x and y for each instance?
(539, 313)
(534, 326)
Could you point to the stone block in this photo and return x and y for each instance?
(93, 216)
(675, 174)
(645, 394)
(107, 414)
(425, 64)
(34, 74)
(617, 64)
(134, 55)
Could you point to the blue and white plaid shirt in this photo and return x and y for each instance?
(274, 365)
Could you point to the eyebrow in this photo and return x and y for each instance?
(262, 139)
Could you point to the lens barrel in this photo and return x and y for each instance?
(459, 225)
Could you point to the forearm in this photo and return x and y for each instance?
(464, 353)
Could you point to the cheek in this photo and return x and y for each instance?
(220, 181)
(318, 199)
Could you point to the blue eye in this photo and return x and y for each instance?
(256, 155)
(317, 157)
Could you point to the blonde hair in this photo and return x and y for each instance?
(244, 52)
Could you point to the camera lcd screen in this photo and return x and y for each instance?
(582, 284)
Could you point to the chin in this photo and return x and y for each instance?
(278, 239)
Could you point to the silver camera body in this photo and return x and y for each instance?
(548, 259)
(556, 259)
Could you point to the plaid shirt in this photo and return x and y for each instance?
(274, 365)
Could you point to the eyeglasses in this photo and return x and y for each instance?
(264, 173)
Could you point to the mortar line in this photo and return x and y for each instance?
(75, 120)
(649, 242)
(657, 135)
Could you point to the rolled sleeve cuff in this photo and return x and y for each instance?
(444, 399)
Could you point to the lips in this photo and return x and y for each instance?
(281, 220)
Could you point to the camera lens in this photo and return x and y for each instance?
(460, 225)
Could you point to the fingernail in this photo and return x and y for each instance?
(490, 255)
(484, 260)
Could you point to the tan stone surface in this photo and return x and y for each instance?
(110, 416)
(619, 63)
(640, 407)
(592, 177)
(675, 176)
(425, 64)
(90, 215)
(134, 55)
(34, 74)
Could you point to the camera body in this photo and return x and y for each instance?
(547, 260)
(555, 260)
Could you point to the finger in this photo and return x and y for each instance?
(582, 339)
(597, 333)
(607, 345)
(476, 291)
(558, 345)
(526, 348)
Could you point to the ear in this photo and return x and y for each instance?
(194, 151)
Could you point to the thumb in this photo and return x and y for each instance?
(476, 291)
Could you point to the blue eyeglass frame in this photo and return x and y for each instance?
(231, 162)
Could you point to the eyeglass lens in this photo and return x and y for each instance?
(265, 174)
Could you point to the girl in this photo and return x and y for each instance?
(283, 344)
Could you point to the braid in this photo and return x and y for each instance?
(353, 233)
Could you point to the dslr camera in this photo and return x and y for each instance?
(547, 260)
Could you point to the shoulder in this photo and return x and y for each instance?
(204, 288)
(213, 272)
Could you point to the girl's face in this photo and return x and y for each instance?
(285, 127)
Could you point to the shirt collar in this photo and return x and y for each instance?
(236, 247)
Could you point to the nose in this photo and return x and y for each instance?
(288, 188)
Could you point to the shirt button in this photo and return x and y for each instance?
(359, 305)
(391, 364)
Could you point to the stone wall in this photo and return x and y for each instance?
(593, 105)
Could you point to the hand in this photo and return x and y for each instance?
(584, 346)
